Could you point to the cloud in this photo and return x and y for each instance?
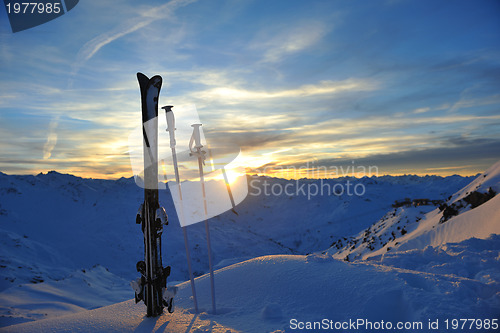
(422, 110)
(290, 40)
(362, 125)
(474, 102)
(250, 140)
(51, 139)
(481, 153)
(233, 94)
(145, 18)
(470, 157)
(206, 77)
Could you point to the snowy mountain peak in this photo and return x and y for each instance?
(473, 211)
(490, 179)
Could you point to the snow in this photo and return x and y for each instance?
(81, 290)
(480, 222)
(282, 258)
(264, 294)
(411, 227)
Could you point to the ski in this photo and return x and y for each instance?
(151, 286)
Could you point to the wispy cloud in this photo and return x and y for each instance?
(145, 18)
(289, 40)
(51, 139)
(422, 110)
(232, 94)
(207, 77)
(474, 102)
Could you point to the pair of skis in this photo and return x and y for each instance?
(151, 287)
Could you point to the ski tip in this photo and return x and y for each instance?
(143, 82)
(167, 108)
(141, 76)
(156, 81)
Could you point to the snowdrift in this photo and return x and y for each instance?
(281, 293)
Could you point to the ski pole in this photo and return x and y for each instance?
(171, 130)
(226, 181)
(196, 140)
(228, 187)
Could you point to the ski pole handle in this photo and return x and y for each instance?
(196, 137)
(170, 124)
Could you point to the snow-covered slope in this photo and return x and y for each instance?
(79, 291)
(473, 211)
(52, 221)
(55, 228)
(287, 292)
(470, 221)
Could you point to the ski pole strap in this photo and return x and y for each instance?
(196, 141)
(196, 137)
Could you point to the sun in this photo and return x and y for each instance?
(232, 175)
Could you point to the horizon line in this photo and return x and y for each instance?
(255, 175)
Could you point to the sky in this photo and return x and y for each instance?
(408, 87)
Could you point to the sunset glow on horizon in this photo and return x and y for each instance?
(408, 87)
